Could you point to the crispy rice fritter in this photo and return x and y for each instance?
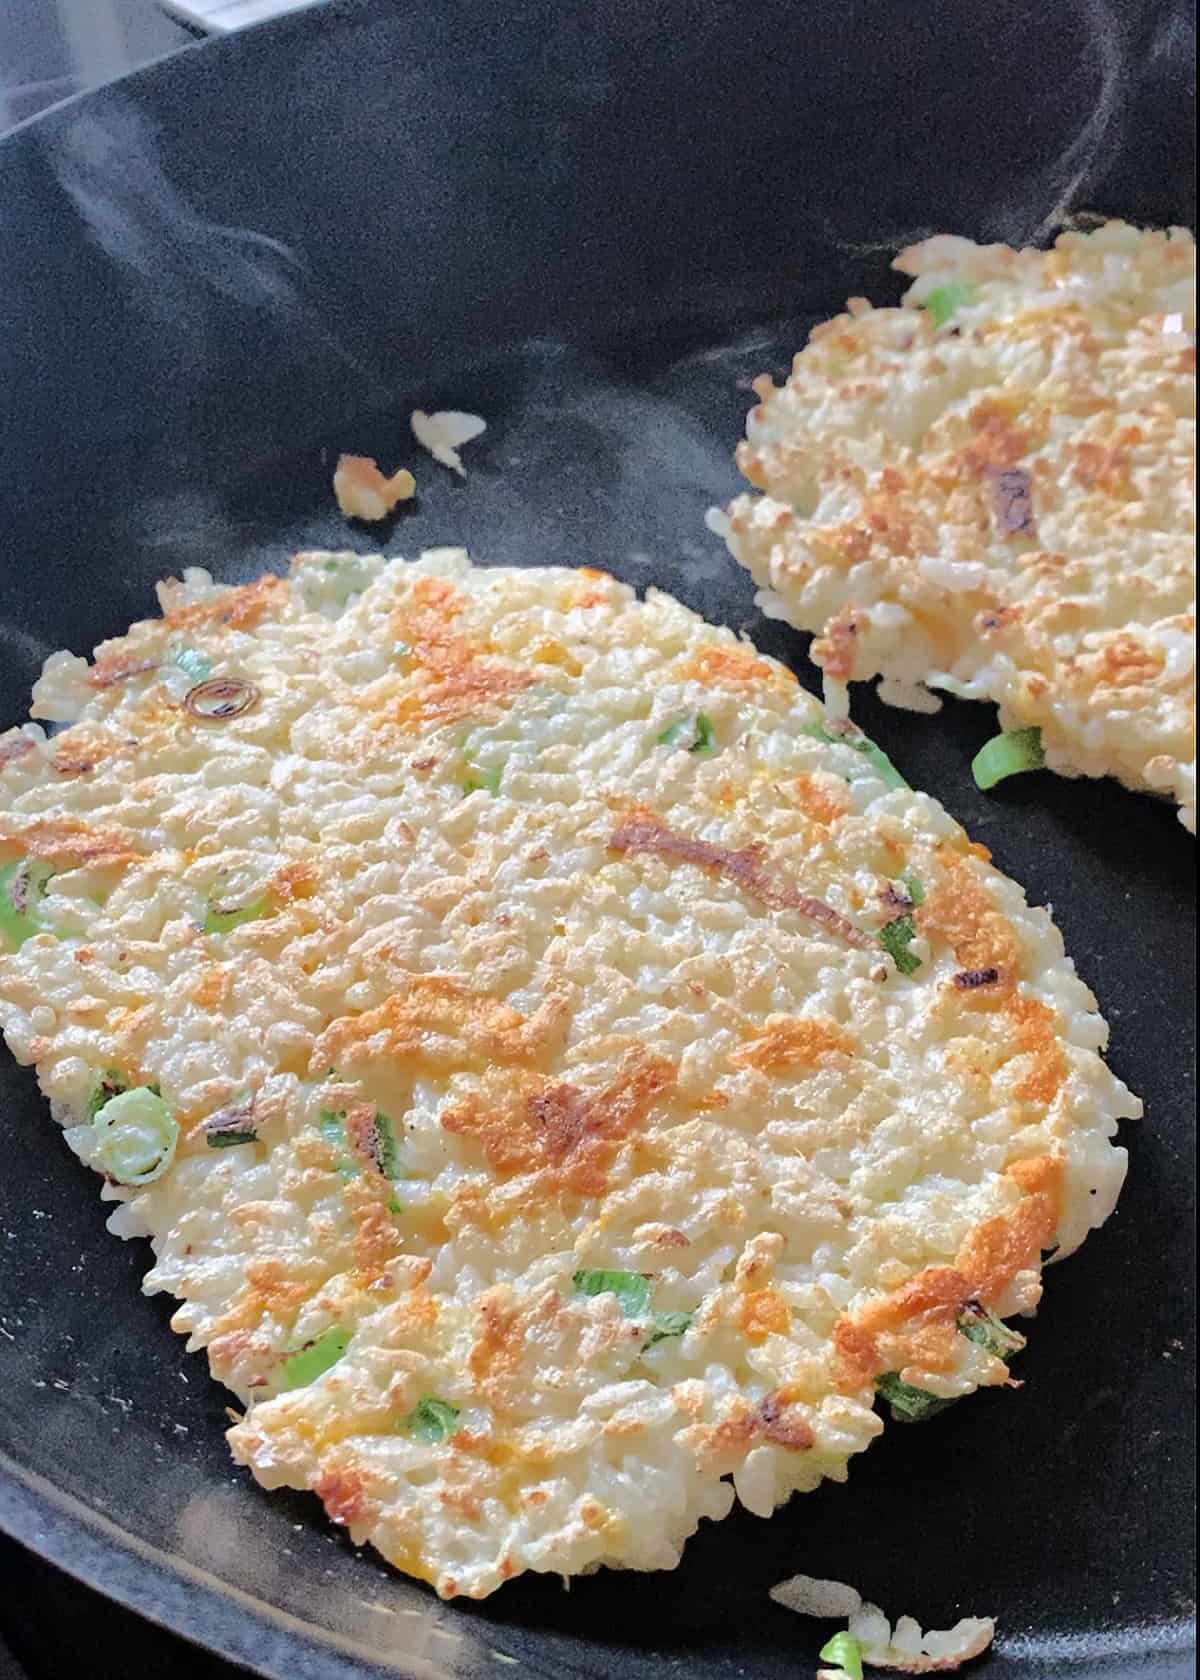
(591, 1073)
(1002, 505)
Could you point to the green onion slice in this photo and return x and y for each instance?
(333, 1130)
(379, 1144)
(107, 1086)
(945, 301)
(486, 781)
(231, 1126)
(218, 920)
(914, 886)
(383, 1147)
(137, 1136)
(229, 1137)
(22, 888)
(631, 1289)
(979, 1324)
(909, 1404)
(695, 734)
(308, 1363)
(431, 1420)
(895, 938)
(1009, 754)
(844, 1650)
(666, 1325)
(852, 737)
(192, 662)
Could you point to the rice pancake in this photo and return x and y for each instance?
(557, 1071)
(992, 491)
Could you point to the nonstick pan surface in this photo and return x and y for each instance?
(592, 227)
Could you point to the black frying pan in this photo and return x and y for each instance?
(591, 227)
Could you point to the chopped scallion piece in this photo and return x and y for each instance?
(333, 1130)
(844, 1650)
(875, 756)
(666, 1325)
(945, 301)
(487, 781)
(386, 1158)
(1009, 754)
(107, 1086)
(22, 888)
(909, 1404)
(399, 649)
(914, 886)
(229, 1138)
(217, 920)
(193, 663)
(137, 1136)
(694, 734)
(431, 1420)
(896, 938)
(631, 1289)
(308, 1363)
(232, 1125)
(979, 1324)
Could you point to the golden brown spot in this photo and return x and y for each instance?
(999, 1248)
(791, 1041)
(782, 1426)
(821, 797)
(239, 608)
(344, 1496)
(728, 664)
(917, 1322)
(67, 841)
(1039, 1174)
(546, 651)
(960, 913)
(773, 1420)
(77, 757)
(835, 648)
(560, 1131)
(764, 1312)
(463, 1501)
(496, 1351)
(376, 1237)
(212, 987)
(439, 595)
(1128, 663)
(938, 1289)
(225, 1350)
(457, 680)
(293, 882)
(1034, 1023)
(856, 1358)
(998, 442)
(1104, 466)
(436, 1022)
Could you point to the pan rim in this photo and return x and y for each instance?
(215, 1615)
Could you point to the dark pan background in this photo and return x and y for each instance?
(592, 227)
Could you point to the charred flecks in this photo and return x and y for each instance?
(970, 979)
(1012, 500)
